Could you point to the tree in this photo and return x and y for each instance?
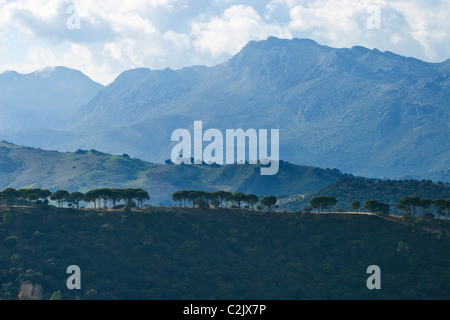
(330, 202)
(43, 195)
(215, 202)
(315, 203)
(198, 198)
(251, 199)
(128, 195)
(60, 196)
(91, 196)
(22, 194)
(371, 205)
(222, 196)
(76, 197)
(141, 196)
(105, 195)
(268, 201)
(415, 202)
(178, 196)
(447, 206)
(209, 197)
(409, 204)
(115, 195)
(404, 206)
(213, 199)
(425, 204)
(184, 195)
(32, 195)
(440, 205)
(10, 195)
(39, 196)
(377, 207)
(355, 206)
(323, 203)
(238, 197)
(383, 208)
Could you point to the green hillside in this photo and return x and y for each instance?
(349, 189)
(24, 167)
(186, 253)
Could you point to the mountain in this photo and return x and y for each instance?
(26, 167)
(43, 100)
(371, 113)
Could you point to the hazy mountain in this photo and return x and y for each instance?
(26, 167)
(44, 99)
(364, 111)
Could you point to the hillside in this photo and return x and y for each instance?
(372, 113)
(219, 254)
(349, 189)
(26, 167)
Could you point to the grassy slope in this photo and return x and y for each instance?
(23, 167)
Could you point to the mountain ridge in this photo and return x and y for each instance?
(83, 170)
(372, 113)
(43, 99)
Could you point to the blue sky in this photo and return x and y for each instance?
(104, 38)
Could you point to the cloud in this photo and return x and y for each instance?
(429, 24)
(180, 40)
(228, 33)
(416, 28)
(118, 35)
(112, 36)
(100, 21)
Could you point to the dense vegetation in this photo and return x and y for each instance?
(195, 253)
(350, 189)
(223, 199)
(111, 198)
(36, 196)
(135, 198)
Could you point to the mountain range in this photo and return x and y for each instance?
(366, 112)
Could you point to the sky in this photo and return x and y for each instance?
(104, 38)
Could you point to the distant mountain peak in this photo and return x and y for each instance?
(279, 42)
(43, 99)
(46, 70)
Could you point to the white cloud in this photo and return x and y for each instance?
(429, 24)
(41, 55)
(82, 58)
(417, 28)
(338, 23)
(180, 40)
(231, 31)
(119, 35)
